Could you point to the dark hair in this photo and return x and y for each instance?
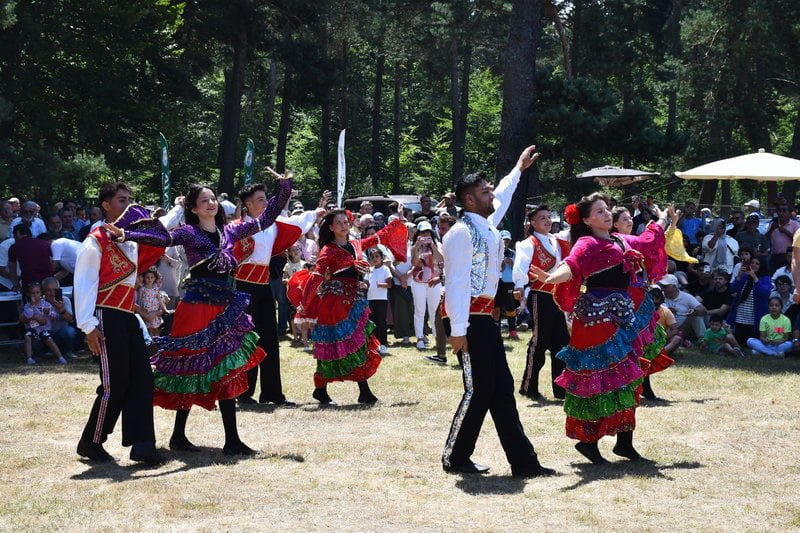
(325, 232)
(109, 190)
(248, 191)
(748, 283)
(374, 250)
(447, 219)
(656, 292)
(783, 279)
(468, 182)
(191, 201)
(23, 228)
(748, 250)
(576, 231)
(714, 318)
(775, 298)
(721, 272)
(616, 212)
(32, 284)
(536, 209)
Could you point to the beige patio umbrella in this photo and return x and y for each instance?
(760, 166)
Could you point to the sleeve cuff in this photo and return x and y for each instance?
(89, 326)
(458, 330)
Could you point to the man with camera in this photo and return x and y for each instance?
(719, 250)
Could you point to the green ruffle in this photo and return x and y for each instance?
(344, 366)
(602, 405)
(652, 350)
(201, 383)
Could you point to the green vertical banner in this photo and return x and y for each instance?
(247, 168)
(164, 152)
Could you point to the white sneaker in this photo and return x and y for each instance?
(421, 345)
(383, 350)
(31, 361)
(62, 361)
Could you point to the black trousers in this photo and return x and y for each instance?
(262, 309)
(549, 332)
(378, 309)
(488, 386)
(126, 382)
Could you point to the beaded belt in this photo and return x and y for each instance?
(207, 290)
(593, 308)
(481, 305)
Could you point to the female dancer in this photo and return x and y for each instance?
(344, 345)
(603, 355)
(211, 346)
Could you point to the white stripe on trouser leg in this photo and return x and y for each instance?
(105, 380)
(534, 310)
(461, 412)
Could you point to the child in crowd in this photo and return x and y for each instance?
(151, 301)
(301, 324)
(37, 314)
(666, 319)
(380, 279)
(775, 330)
(717, 339)
(294, 264)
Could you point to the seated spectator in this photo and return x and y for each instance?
(95, 216)
(27, 213)
(745, 255)
(751, 290)
(68, 229)
(717, 339)
(780, 234)
(701, 281)
(37, 314)
(666, 319)
(65, 254)
(687, 309)
(32, 255)
(785, 270)
(719, 250)
(774, 332)
(751, 238)
(783, 292)
(717, 298)
(64, 332)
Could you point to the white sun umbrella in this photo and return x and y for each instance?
(616, 176)
(761, 166)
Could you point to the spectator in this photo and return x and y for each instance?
(783, 291)
(774, 332)
(400, 296)
(448, 205)
(753, 207)
(717, 298)
(687, 309)
(55, 227)
(690, 224)
(227, 206)
(65, 254)
(64, 332)
(365, 208)
(169, 268)
(80, 219)
(27, 213)
(37, 314)
(666, 319)
(717, 339)
(426, 275)
(622, 221)
(719, 250)
(443, 224)
(737, 219)
(14, 206)
(68, 229)
(785, 270)
(6, 282)
(780, 234)
(32, 255)
(95, 216)
(379, 280)
(426, 209)
(751, 290)
(6, 218)
(701, 281)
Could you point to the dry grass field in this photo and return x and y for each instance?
(726, 447)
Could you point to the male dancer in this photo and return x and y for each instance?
(549, 326)
(470, 287)
(105, 279)
(252, 276)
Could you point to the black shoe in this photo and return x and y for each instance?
(283, 402)
(628, 452)
(239, 448)
(145, 452)
(467, 468)
(246, 400)
(94, 452)
(438, 359)
(368, 399)
(532, 471)
(532, 395)
(321, 395)
(590, 451)
(182, 445)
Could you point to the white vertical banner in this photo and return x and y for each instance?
(341, 173)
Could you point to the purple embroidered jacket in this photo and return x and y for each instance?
(195, 242)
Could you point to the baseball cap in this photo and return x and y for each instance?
(505, 234)
(669, 279)
(753, 203)
(424, 226)
(752, 216)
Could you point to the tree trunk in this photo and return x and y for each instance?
(397, 127)
(232, 113)
(283, 126)
(455, 114)
(375, 159)
(466, 72)
(552, 13)
(269, 117)
(673, 36)
(326, 176)
(343, 88)
(517, 122)
(790, 187)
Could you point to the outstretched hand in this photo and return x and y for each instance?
(285, 176)
(527, 158)
(113, 230)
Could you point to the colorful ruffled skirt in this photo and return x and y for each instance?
(604, 373)
(344, 345)
(209, 350)
(652, 339)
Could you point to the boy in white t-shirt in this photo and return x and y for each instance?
(379, 280)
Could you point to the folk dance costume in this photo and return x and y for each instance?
(252, 277)
(344, 344)
(548, 323)
(105, 279)
(611, 328)
(212, 343)
(470, 287)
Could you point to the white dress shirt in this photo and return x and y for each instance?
(457, 248)
(264, 240)
(37, 226)
(524, 256)
(87, 271)
(4, 246)
(65, 251)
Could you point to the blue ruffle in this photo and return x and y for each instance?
(342, 330)
(614, 349)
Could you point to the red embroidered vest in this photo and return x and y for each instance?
(115, 267)
(546, 261)
(287, 235)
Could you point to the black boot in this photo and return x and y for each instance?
(647, 390)
(591, 452)
(364, 394)
(233, 444)
(178, 441)
(321, 395)
(624, 446)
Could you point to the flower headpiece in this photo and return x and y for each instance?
(572, 215)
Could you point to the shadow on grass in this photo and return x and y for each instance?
(177, 462)
(16, 365)
(622, 469)
(477, 484)
(759, 364)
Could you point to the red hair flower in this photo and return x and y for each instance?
(572, 214)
